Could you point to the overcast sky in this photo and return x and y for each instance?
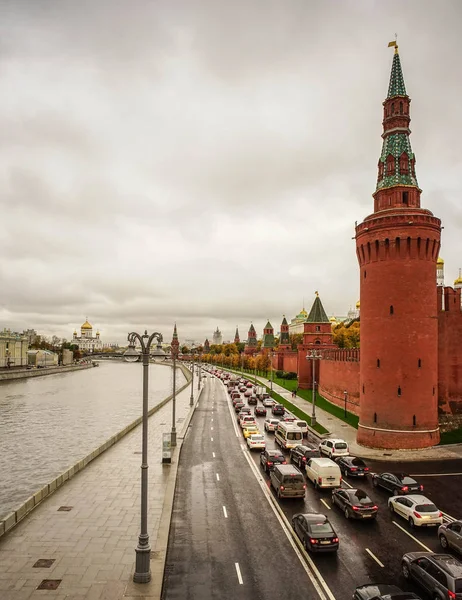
(206, 161)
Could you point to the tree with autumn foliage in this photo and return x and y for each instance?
(295, 340)
(347, 336)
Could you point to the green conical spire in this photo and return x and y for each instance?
(268, 326)
(175, 334)
(284, 321)
(396, 86)
(317, 312)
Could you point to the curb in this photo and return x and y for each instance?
(13, 376)
(15, 517)
(159, 553)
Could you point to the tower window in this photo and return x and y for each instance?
(400, 108)
(378, 363)
(318, 328)
(433, 390)
(419, 363)
(399, 390)
(414, 421)
(365, 273)
(392, 108)
(406, 198)
(375, 417)
(392, 310)
(363, 389)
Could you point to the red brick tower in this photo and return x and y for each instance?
(236, 336)
(397, 248)
(175, 345)
(284, 339)
(251, 345)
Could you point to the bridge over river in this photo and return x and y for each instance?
(49, 423)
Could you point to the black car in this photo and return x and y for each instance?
(352, 466)
(259, 411)
(278, 409)
(252, 400)
(355, 504)
(245, 410)
(382, 591)
(238, 406)
(439, 574)
(315, 532)
(269, 458)
(300, 454)
(397, 483)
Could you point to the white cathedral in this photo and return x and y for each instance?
(86, 341)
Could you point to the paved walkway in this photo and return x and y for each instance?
(339, 429)
(92, 543)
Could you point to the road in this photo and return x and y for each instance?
(369, 551)
(225, 541)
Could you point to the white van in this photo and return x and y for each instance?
(288, 435)
(303, 425)
(323, 472)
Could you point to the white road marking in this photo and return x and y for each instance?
(211, 428)
(346, 483)
(447, 517)
(239, 576)
(211, 439)
(411, 536)
(213, 454)
(325, 503)
(225, 512)
(218, 477)
(212, 419)
(311, 570)
(374, 557)
(435, 474)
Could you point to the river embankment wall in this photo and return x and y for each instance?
(25, 373)
(15, 517)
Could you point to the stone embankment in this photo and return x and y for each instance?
(26, 507)
(8, 375)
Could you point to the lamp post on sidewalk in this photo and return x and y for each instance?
(191, 398)
(314, 355)
(199, 371)
(143, 550)
(175, 345)
(271, 358)
(345, 396)
(255, 368)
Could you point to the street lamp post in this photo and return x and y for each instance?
(199, 373)
(143, 550)
(255, 369)
(242, 364)
(313, 356)
(191, 399)
(345, 395)
(271, 358)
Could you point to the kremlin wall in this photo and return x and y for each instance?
(406, 381)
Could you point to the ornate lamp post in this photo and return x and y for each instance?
(271, 358)
(174, 351)
(191, 399)
(345, 396)
(143, 550)
(314, 355)
(200, 370)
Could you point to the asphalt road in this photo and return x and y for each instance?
(370, 551)
(225, 540)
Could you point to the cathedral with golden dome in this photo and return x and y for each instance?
(86, 341)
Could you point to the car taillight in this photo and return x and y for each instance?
(366, 468)
(404, 488)
(417, 515)
(355, 507)
(284, 462)
(335, 540)
(304, 459)
(340, 478)
(451, 595)
(304, 486)
(375, 507)
(313, 541)
(421, 488)
(333, 450)
(269, 463)
(282, 487)
(353, 469)
(319, 479)
(440, 514)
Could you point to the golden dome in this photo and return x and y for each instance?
(333, 320)
(440, 261)
(358, 305)
(303, 313)
(458, 281)
(86, 325)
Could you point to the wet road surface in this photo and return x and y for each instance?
(225, 541)
(370, 551)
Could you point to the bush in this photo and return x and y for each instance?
(290, 375)
(280, 374)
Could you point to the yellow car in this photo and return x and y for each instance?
(250, 430)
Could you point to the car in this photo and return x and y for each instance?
(355, 503)
(417, 510)
(439, 574)
(259, 411)
(382, 591)
(252, 400)
(247, 394)
(245, 410)
(334, 447)
(249, 384)
(397, 483)
(352, 466)
(239, 404)
(250, 430)
(269, 458)
(235, 400)
(450, 536)
(265, 396)
(315, 532)
(303, 452)
(288, 418)
(271, 424)
(247, 420)
(255, 442)
(268, 402)
(278, 409)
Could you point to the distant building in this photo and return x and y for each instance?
(268, 336)
(68, 357)
(86, 341)
(42, 358)
(237, 339)
(296, 324)
(13, 349)
(217, 337)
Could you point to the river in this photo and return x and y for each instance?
(49, 423)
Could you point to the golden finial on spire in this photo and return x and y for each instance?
(394, 44)
(317, 294)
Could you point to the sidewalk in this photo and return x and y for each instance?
(339, 429)
(88, 529)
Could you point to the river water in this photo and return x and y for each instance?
(49, 423)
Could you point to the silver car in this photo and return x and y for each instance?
(450, 535)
